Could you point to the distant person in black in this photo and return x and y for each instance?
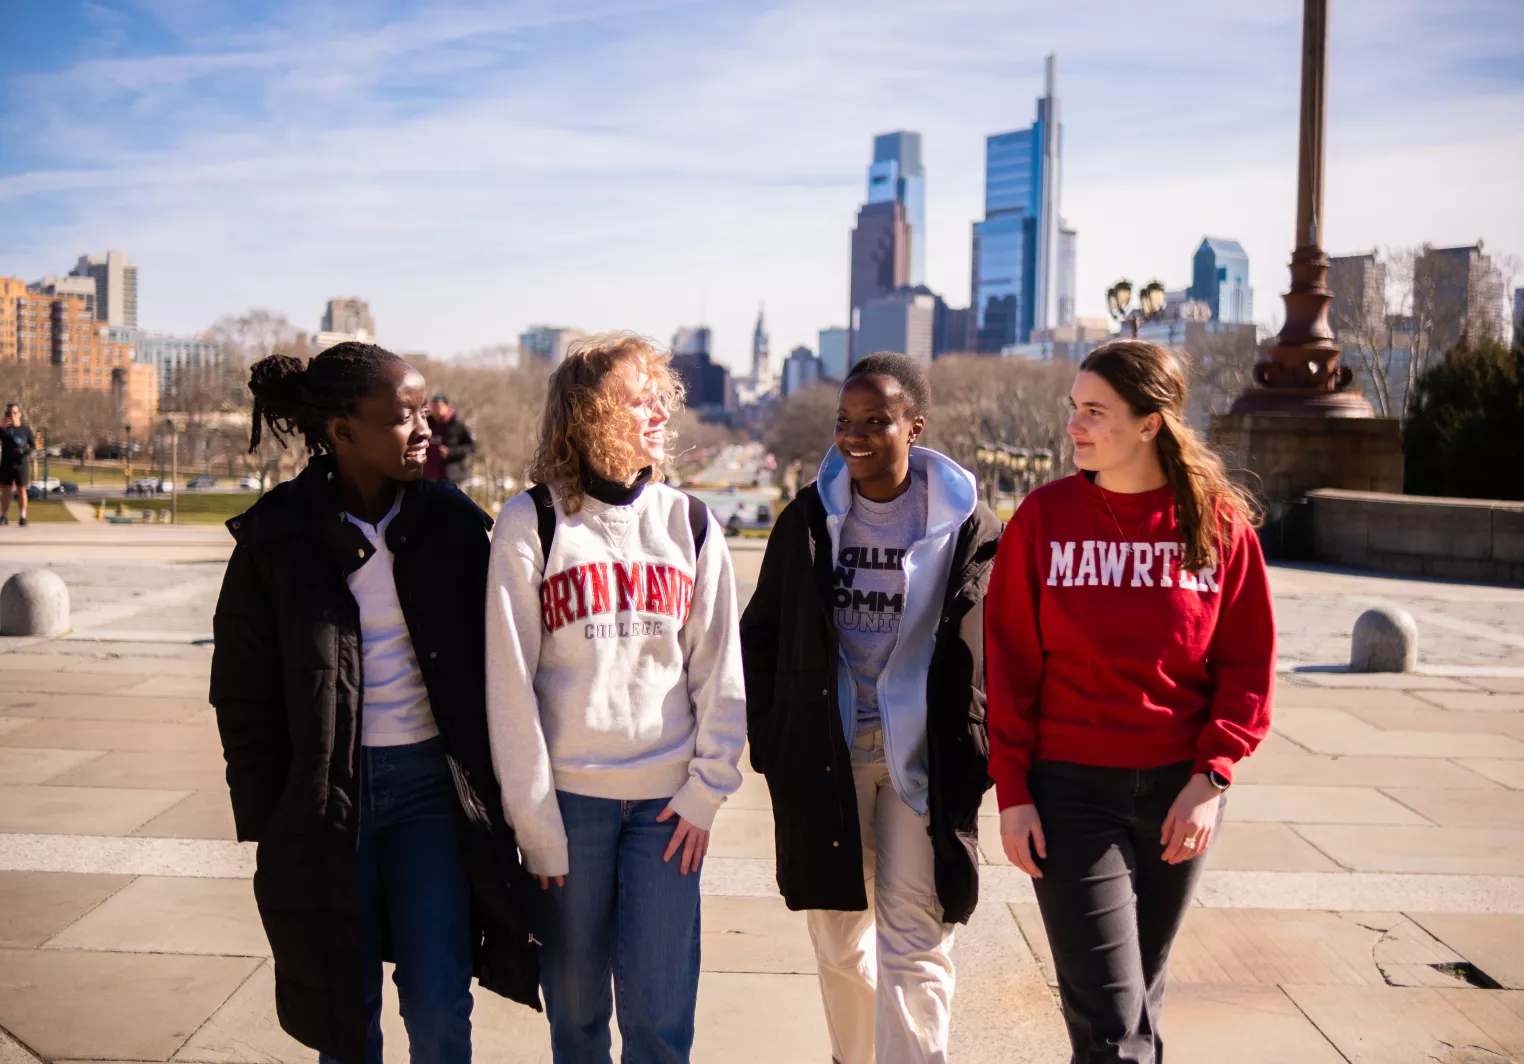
(16, 446)
(453, 445)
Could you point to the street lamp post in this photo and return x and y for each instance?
(1150, 303)
(174, 471)
(127, 458)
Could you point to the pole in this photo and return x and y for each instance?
(174, 475)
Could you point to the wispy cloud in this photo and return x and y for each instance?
(471, 170)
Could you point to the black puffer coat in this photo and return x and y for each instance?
(287, 684)
(789, 646)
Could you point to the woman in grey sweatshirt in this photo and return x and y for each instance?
(615, 701)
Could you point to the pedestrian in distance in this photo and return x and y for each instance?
(16, 446)
(349, 684)
(615, 700)
(1131, 649)
(864, 650)
(451, 447)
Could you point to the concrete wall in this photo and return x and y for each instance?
(1464, 539)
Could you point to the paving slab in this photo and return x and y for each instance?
(1245, 845)
(1360, 891)
(1003, 1010)
(1464, 809)
(213, 917)
(742, 833)
(1332, 731)
(1398, 1025)
(10, 724)
(1508, 773)
(1301, 804)
(1429, 718)
(116, 735)
(35, 906)
(13, 1052)
(245, 1031)
(1379, 848)
(83, 1005)
(1355, 771)
(80, 810)
(101, 707)
(149, 768)
(171, 687)
(1383, 681)
(755, 935)
(1477, 701)
(206, 814)
(30, 765)
(752, 794)
(1260, 1024)
(991, 851)
(1306, 697)
(730, 1026)
(1513, 685)
(46, 681)
(1492, 942)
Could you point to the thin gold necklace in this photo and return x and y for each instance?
(1126, 543)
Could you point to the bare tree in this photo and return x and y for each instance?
(802, 430)
(999, 400)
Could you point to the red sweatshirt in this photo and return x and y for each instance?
(1115, 657)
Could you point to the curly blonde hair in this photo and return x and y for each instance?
(586, 428)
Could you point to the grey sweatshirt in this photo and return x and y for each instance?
(613, 666)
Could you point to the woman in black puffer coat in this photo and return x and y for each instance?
(348, 680)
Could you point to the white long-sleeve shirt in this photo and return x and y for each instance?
(613, 666)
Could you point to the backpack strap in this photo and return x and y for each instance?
(545, 515)
(698, 521)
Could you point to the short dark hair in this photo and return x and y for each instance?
(294, 399)
(909, 373)
(445, 399)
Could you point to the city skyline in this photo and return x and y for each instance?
(453, 169)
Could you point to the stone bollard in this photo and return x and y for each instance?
(1385, 640)
(34, 602)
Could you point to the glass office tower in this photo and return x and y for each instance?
(1220, 279)
(897, 174)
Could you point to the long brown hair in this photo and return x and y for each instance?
(586, 425)
(1150, 381)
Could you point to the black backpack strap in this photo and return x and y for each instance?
(698, 521)
(545, 515)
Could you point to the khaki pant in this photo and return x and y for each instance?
(885, 973)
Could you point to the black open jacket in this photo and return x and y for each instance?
(790, 650)
(287, 684)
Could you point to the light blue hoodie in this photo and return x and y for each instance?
(952, 493)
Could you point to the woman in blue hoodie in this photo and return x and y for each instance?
(864, 655)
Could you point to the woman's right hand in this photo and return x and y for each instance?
(1020, 834)
(545, 881)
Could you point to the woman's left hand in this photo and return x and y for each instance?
(1188, 827)
(693, 839)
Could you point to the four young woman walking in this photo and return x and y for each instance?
(504, 758)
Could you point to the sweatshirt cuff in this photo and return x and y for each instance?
(1221, 765)
(696, 804)
(552, 860)
(1012, 791)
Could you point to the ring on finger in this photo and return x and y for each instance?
(1188, 842)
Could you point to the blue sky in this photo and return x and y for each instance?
(475, 168)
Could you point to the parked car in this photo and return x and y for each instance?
(48, 485)
(202, 481)
(144, 486)
(70, 488)
(249, 483)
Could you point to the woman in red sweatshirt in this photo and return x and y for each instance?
(1130, 648)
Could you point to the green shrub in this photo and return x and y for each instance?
(1465, 438)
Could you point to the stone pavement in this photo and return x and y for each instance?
(1365, 902)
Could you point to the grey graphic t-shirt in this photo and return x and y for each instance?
(869, 594)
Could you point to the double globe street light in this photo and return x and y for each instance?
(1017, 464)
(1150, 303)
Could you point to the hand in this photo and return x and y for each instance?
(1194, 817)
(693, 839)
(1020, 834)
(545, 881)
(444, 452)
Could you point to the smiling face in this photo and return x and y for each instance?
(647, 409)
(1107, 435)
(388, 432)
(874, 430)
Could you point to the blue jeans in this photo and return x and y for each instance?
(625, 914)
(409, 871)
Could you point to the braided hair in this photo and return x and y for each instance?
(294, 399)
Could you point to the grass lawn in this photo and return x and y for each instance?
(43, 510)
(212, 508)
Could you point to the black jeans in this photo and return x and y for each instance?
(1110, 904)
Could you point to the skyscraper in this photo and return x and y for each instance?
(880, 260)
(1023, 262)
(897, 174)
(761, 367)
(1358, 285)
(1518, 309)
(833, 353)
(116, 287)
(348, 316)
(1220, 279)
(904, 321)
(1458, 291)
